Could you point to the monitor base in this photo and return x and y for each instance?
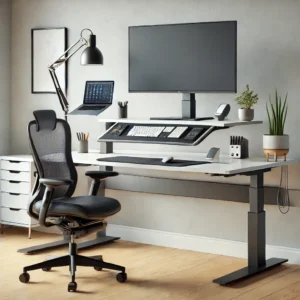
(188, 108)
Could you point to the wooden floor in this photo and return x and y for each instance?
(153, 273)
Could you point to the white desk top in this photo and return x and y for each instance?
(216, 123)
(225, 166)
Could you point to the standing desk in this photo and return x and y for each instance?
(254, 168)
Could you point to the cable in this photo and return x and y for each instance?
(283, 198)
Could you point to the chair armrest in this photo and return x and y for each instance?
(97, 176)
(50, 184)
(101, 174)
(53, 183)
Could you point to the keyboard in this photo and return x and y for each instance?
(89, 107)
(146, 131)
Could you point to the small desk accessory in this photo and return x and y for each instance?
(83, 139)
(123, 109)
(213, 153)
(239, 147)
(222, 111)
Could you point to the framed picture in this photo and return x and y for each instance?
(47, 44)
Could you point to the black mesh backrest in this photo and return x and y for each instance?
(51, 150)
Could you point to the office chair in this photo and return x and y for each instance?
(52, 203)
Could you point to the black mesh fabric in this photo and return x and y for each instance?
(52, 155)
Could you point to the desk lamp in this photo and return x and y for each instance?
(90, 56)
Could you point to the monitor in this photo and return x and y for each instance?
(98, 92)
(193, 57)
(186, 58)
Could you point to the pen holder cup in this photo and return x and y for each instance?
(83, 147)
(239, 151)
(123, 112)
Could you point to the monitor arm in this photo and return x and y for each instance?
(61, 60)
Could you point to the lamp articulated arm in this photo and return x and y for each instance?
(61, 60)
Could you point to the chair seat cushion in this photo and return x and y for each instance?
(85, 207)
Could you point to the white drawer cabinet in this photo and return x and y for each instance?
(15, 175)
(17, 187)
(15, 216)
(14, 200)
(15, 165)
(16, 183)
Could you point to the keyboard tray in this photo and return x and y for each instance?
(152, 161)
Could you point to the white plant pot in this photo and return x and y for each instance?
(277, 142)
(276, 145)
(246, 114)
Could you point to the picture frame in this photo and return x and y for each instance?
(47, 44)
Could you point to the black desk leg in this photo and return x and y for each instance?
(101, 239)
(30, 250)
(257, 262)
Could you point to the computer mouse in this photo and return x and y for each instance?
(167, 159)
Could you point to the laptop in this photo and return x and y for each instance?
(98, 96)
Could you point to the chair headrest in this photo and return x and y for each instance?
(45, 119)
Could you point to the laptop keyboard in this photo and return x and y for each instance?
(94, 107)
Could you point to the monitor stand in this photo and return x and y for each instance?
(188, 110)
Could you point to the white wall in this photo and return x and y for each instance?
(5, 72)
(268, 57)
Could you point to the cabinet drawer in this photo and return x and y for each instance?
(15, 165)
(14, 200)
(16, 187)
(15, 175)
(14, 216)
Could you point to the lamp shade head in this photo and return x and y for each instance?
(92, 55)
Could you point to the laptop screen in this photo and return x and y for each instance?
(98, 92)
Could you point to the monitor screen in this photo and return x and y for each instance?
(196, 57)
(98, 92)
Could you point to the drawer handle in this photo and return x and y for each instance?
(14, 161)
(16, 172)
(13, 181)
(14, 209)
(15, 194)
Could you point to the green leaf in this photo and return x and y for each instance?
(270, 123)
(247, 99)
(277, 114)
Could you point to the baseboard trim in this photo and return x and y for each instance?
(197, 243)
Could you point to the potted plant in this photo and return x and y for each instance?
(246, 101)
(276, 143)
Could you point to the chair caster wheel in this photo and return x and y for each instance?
(46, 269)
(98, 268)
(24, 277)
(121, 277)
(72, 287)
